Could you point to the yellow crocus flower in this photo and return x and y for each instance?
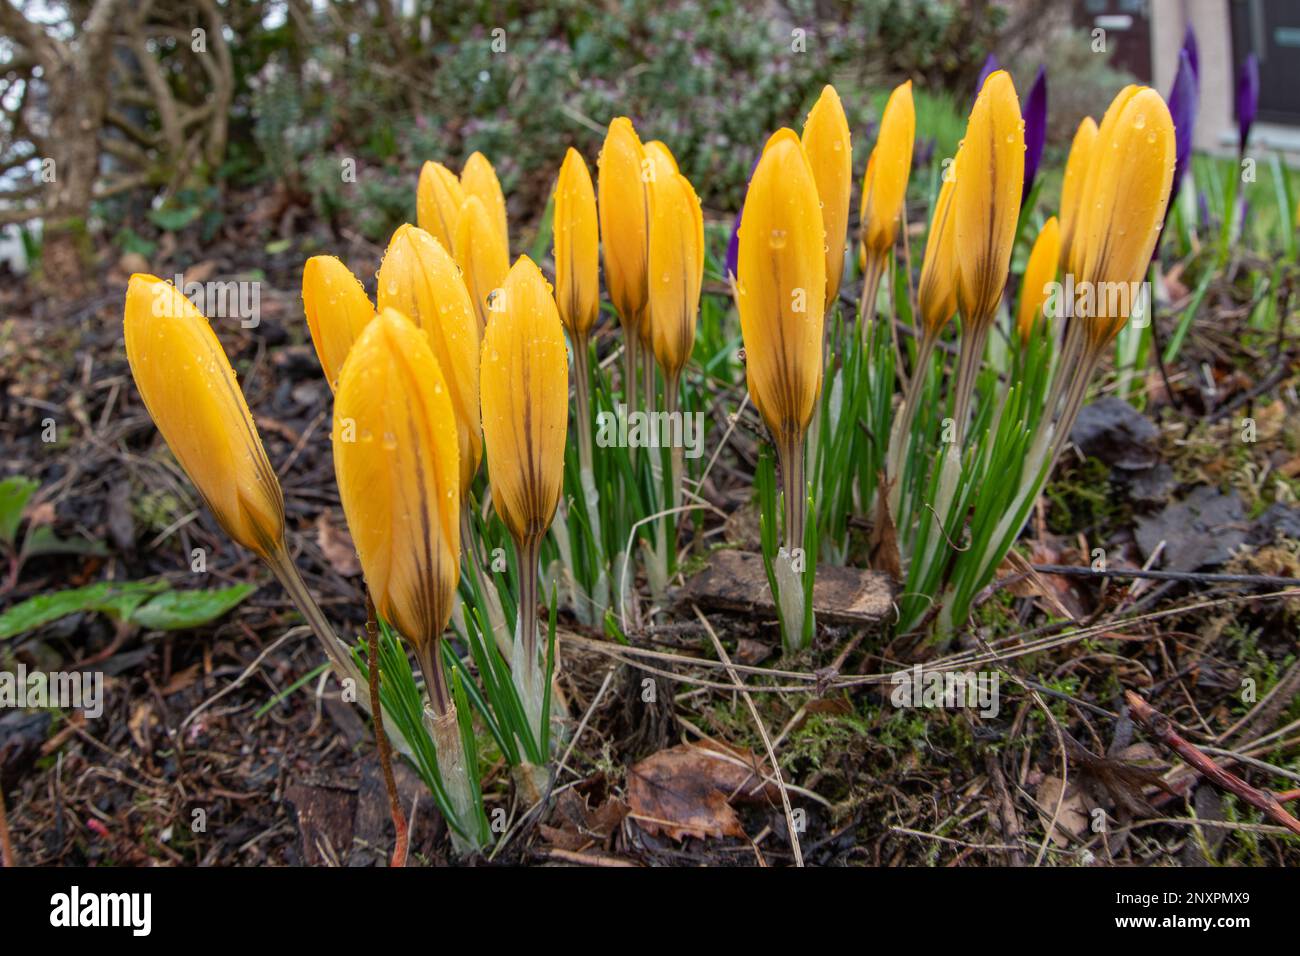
(986, 201)
(419, 279)
(337, 309)
(525, 398)
(525, 385)
(482, 256)
(1076, 169)
(826, 141)
(884, 188)
(396, 459)
(676, 269)
(1123, 208)
(622, 173)
(478, 178)
(438, 198)
(577, 248)
(190, 391)
(937, 290)
(1044, 260)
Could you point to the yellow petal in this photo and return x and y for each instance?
(676, 269)
(662, 157)
(337, 310)
(396, 462)
(781, 286)
(891, 161)
(190, 391)
(1076, 169)
(438, 198)
(478, 178)
(577, 247)
(1044, 260)
(1123, 207)
(986, 202)
(482, 255)
(827, 143)
(525, 403)
(419, 279)
(624, 220)
(937, 291)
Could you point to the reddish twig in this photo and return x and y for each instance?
(381, 739)
(1160, 726)
(6, 848)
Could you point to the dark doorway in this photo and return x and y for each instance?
(1128, 31)
(1271, 29)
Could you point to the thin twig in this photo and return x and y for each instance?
(1162, 728)
(1193, 577)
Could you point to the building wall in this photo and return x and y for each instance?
(1210, 20)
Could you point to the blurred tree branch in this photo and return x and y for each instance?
(128, 95)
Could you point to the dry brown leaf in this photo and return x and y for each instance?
(688, 790)
(336, 544)
(1074, 820)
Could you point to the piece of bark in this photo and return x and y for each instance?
(736, 581)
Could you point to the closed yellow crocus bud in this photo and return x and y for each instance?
(396, 459)
(986, 201)
(337, 309)
(1040, 272)
(1122, 210)
(438, 198)
(937, 292)
(1076, 170)
(676, 272)
(419, 279)
(525, 398)
(781, 287)
(884, 189)
(621, 184)
(826, 141)
(189, 388)
(478, 178)
(482, 256)
(577, 248)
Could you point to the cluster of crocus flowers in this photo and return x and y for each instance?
(780, 294)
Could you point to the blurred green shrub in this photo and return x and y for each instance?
(712, 78)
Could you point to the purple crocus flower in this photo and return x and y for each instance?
(1035, 130)
(1193, 53)
(1184, 100)
(733, 244)
(923, 153)
(991, 66)
(1247, 100)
